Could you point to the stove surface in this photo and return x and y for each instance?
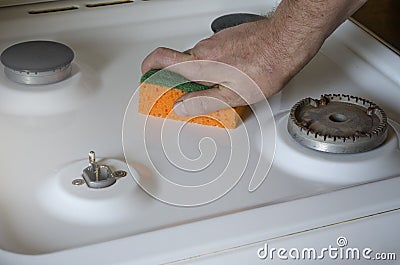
(47, 131)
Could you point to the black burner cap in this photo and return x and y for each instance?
(232, 20)
(37, 56)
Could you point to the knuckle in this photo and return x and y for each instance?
(202, 49)
(160, 51)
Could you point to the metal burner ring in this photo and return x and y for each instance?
(338, 123)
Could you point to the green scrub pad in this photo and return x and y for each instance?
(170, 79)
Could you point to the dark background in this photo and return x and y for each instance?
(382, 17)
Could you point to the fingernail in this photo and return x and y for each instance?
(179, 108)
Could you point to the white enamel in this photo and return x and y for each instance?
(47, 133)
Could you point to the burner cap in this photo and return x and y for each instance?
(232, 20)
(338, 124)
(37, 62)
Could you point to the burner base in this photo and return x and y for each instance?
(338, 124)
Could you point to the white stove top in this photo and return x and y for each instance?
(47, 132)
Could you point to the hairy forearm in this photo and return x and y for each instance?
(310, 22)
(298, 28)
(323, 16)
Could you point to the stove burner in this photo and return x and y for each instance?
(37, 62)
(338, 124)
(232, 20)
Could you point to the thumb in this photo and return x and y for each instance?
(206, 101)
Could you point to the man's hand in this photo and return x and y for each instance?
(269, 51)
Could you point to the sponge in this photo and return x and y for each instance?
(158, 94)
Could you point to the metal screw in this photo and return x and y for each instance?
(92, 157)
(93, 164)
(78, 182)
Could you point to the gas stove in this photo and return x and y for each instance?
(162, 191)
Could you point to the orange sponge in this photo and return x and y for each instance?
(158, 94)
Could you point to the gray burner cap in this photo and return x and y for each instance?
(37, 62)
(338, 124)
(232, 20)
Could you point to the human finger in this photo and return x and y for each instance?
(206, 101)
(163, 57)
